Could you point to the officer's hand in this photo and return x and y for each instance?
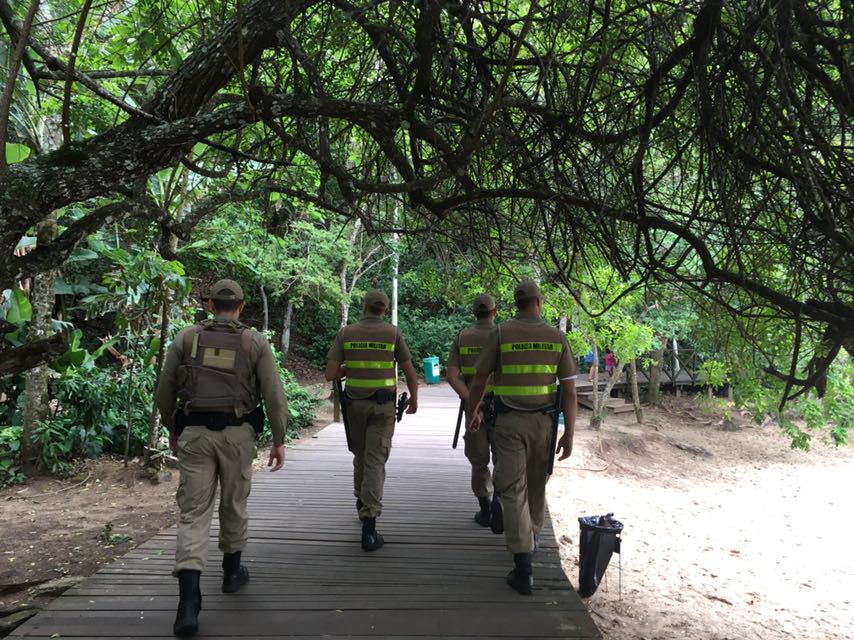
(412, 405)
(565, 445)
(173, 443)
(476, 421)
(277, 455)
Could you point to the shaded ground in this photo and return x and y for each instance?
(748, 542)
(54, 528)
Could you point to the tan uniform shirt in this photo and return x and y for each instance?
(266, 374)
(527, 328)
(370, 328)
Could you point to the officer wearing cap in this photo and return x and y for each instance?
(213, 379)
(528, 358)
(366, 352)
(464, 353)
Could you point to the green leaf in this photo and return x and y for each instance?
(18, 308)
(79, 254)
(16, 152)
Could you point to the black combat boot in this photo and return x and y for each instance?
(371, 538)
(497, 521)
(234, 574)
(521, 577)
(189, 603)
(484, 516)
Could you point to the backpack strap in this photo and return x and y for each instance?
(191, 342)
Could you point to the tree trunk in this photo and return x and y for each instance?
(654, 386)
(562, 322)
(129, 406)
(154, 416)
(286, 330)
(36, 398)
(633, 381)
(596, 418)
(266, 325)
(42, 298)
(168, 246)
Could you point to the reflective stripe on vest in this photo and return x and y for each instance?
(369, 364)
(370, 384)
(470, 351)
(543, 390)
(529, 368)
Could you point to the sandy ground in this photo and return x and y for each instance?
(749, 542)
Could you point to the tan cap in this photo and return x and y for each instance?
(484, 302)
(226, 290)
(526, 290)
(376, 299)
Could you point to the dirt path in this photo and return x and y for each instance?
(749, 542)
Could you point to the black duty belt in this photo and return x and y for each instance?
(380, 396)
(213, 420)
(500, 407)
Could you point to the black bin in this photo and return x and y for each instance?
(599, 540)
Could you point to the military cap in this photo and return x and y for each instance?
(484, 302)
(526, 290)
(376, 299)
(225, 290)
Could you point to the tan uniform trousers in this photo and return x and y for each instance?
(206, 458)
(477, 452)
(522, 443)
(371, 431)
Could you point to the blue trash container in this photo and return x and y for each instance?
(431, 369)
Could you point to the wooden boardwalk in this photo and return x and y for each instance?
(439, 576)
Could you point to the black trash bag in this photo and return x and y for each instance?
(599, 540)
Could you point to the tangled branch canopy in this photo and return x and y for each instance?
(702, 143)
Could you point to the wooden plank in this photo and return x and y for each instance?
(440, 575)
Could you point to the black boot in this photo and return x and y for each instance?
(234, 574)
(189, 603)
(497, 521)
(371, 538)
(521, 577)
(483, 516)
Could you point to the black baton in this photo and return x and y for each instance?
(460, 414)
(555, 421)
(344, 402)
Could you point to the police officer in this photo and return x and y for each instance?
(366, 352)
(214, 376)
(528, 359)
(464, 353)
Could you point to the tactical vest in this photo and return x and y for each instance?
(471, 343)
(369, 358)
(216, 373)
(528, 358)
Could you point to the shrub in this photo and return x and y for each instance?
(10, 456)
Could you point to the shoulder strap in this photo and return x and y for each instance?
(246, 337)
(191, 341)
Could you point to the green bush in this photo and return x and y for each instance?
(429, 334)
(302, 403)
(10, 456)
